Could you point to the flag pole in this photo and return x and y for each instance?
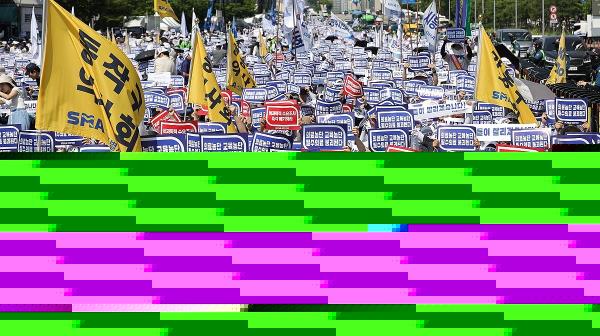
(43, 56)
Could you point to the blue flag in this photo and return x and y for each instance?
(211, 4)
(234, 28)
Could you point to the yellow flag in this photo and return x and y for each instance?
(238, 76)
(262, 46)
(203, 88)
(494, 85)
(559, 71)
(88, 86)
(163, 8)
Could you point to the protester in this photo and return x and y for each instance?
(12, 96)
(164, 63)
(34, 72)
(457, 60)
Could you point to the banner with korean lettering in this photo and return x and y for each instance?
(571, 111)
(283, 115)
(88, 87)
(238, 76)
(263, 142)
(381, 139)
(204, 89)
(457, 138)
(36, 141)
(494, 85)
(532, 138)
(9, 138)
(323, 137)
(164, 144)
(224, 143)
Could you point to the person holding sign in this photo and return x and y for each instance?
(457, 60)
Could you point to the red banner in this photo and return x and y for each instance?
(392, 148)
(516, 149)
(283, 117)
(352, 87)
(245, 108)
(227, 98)
(164, 116)
(169, 127)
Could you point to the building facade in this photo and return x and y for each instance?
(15, 17)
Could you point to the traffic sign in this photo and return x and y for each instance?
(553, 9)
(553, 17)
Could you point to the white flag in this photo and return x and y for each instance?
(184, 31)
(430, 24)
(392, 8)
(35, 47)
(73, 10)
(289, 21)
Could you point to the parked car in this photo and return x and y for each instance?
(523, 38)
(579, 57)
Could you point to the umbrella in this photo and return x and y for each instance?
(533, 91)
(504, 52)
(331, 38)
(145, 56)
(360, 43)
(372, 49)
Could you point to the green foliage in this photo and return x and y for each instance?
(112, 12)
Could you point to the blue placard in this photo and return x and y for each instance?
(381, 74)
(211, 127)
(94, 149)
(452, 75)
(381, 139)
(177, 102)
(378, 63)
(332, 76)
(418, 63)
(390, 117)
(483, 117)
(457, 138)
(255, 95)
(263, 142)
(323, 107)
(411, 86)
(430, 92)
(283, 75)
(272, 92)
(280, 85)
(224, 143)
(456, 34)
(64, 139)
(35, 141)
(156, 100)
(177, 81)
(361, 63)
(261, 70)
(170, 143)
(302, 78)
(293, 88)
(571, 111)
(323, 137)
(382, 84)
(344, 120)
(395, 95)
(372, 95)
(465, 83)
(192, 142)
(257, 114)
(262, 79)
(533, 138)
(495, 110)
(331, 94)
(9, 138)
(343, 66)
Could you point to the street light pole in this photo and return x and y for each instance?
(494, 15)
(516, 14)
(543, 19)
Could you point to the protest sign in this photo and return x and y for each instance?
(456, 35)
(399, 149)
(465, 83)
(381, 74)
(156, 100)
(456, 138)
(571, 111)
(280, 85)
(391, 117)
(452, 75)
(361, 63)
(381, 139)
(177, 102)
(344, 120)
(210, 127)
(395, 95)
(431, 109)
(533, 138)
(302, 78)
(411, 86)
(163, 116)
(283, 117)
(36, 141)
(323, 137)
(495, 110)
(177, 81)
(499, 132)
(430, 92)
(172, 143)
(223, 143)
(255, 95)
(257, 115)
(418, 63)
(352, 87)
(64, 139)
(293, 88)
(263, 142)
(372, 95)
(323, 108)
(577, 139)
(9, 138)
(483, 117)
(262, 79)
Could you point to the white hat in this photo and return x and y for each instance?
(162, 50)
